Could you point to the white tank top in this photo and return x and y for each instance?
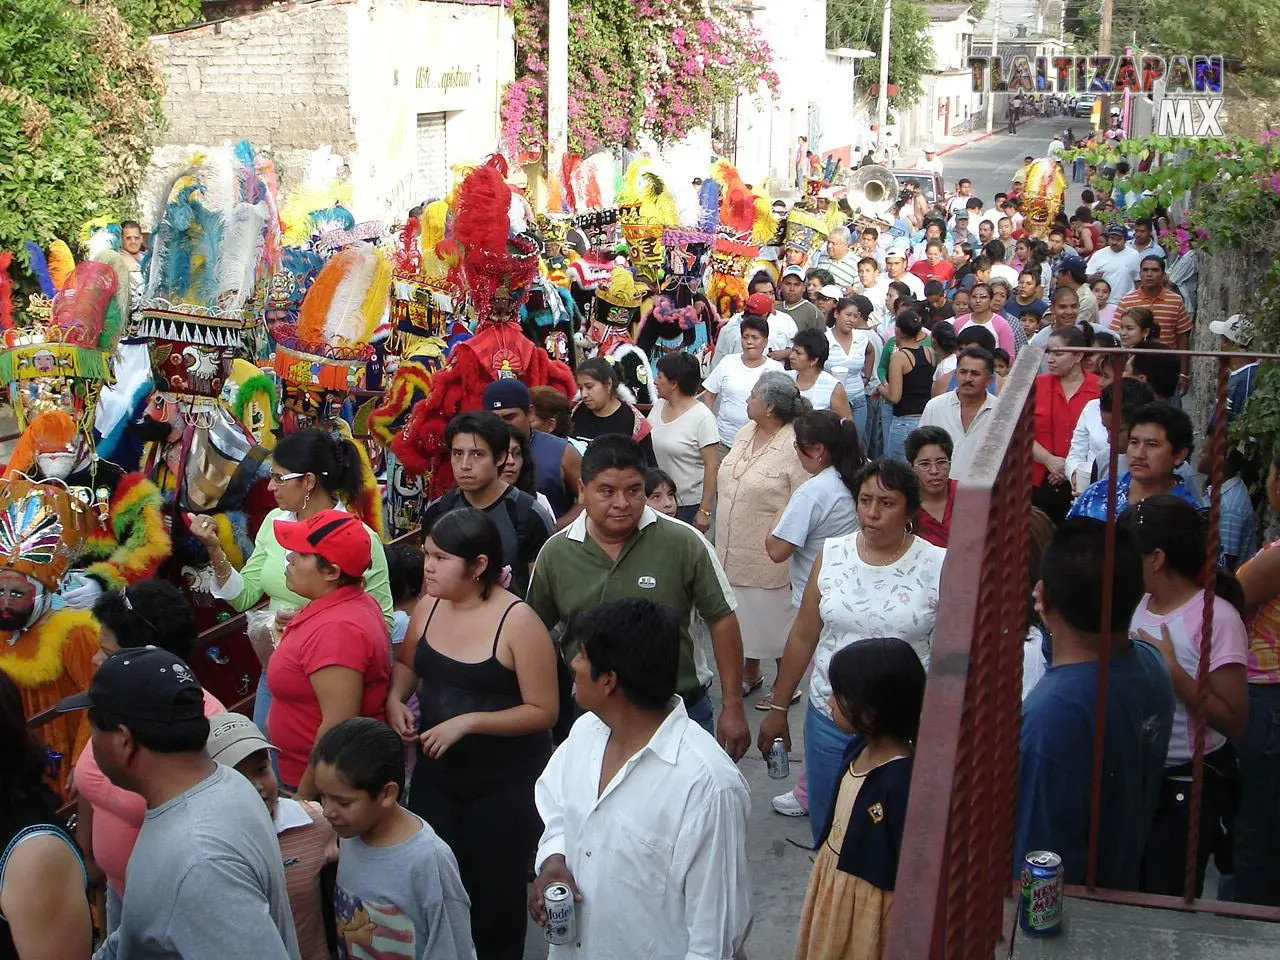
(819, 395)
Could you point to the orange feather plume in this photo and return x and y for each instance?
(315, 307)
(737, 203)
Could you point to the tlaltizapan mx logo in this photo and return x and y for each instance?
(1189, 87)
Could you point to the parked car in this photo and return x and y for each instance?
(930, 183)
(1084, 105)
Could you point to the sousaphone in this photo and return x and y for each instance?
(872, 191)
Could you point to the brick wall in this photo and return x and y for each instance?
(279, 78)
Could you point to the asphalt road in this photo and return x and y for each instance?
(991, 163)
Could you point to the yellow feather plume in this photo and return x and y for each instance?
(376, 300)
(434, 220)
(302, 201)
(641, 185)
(766, 225)
(61, 263)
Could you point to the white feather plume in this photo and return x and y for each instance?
(241, 248)
(344, 319)
(688, 204)
(218, 177)
(518, 214)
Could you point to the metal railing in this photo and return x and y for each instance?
(957, 853)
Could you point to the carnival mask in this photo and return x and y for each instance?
(18, 596)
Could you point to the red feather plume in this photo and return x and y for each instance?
(737, 203)
(6, 291)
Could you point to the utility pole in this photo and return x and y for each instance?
(1104, 49)
(995, 41)
(882, 101)
(557, 83)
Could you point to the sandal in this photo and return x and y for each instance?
(766, 702)
(751, 686)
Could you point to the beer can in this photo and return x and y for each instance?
(1040, 913)
(779, 762)
(562, 924)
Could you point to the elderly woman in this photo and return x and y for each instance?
(735, 377)
(879, 581)
(755, 482)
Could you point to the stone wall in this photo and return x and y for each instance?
(280, 77)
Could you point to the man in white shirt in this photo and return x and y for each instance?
(895, 264)
(872, 285)
(1117, 262)
(964, 190)
(931, 160)
(645, 816)
(965, 412)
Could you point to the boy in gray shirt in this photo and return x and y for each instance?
(205, 879)
(398, 891)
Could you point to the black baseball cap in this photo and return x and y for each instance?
(507, 393)
(141, 683)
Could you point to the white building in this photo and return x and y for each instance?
(948, 102)
(401, 89)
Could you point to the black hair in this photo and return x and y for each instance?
(987, 357)
(344, 579)
(762, 276)
(980, 263)
(638, 641)
(527, 479)
(158, 736)
(682, 369)
(1169, 523)
(1144, 222)
(943, 335)
(878, 684)
(840, 437)
(1176, 423)
(1070, 335)
(962, 181)
(976, 335)
(1071, 571)
(471, 534)
(823, 277)
(909, 322)
(814, 343)
(751, 322)
(655, 478)
(921, 437)
(1133, 394)
(365, 752)
(1102, 280)
(613, 451)
(600, 370)
(126, 224)
(998, 355)
(994, 249)
(404, 571)
(894, 475)
(973, 203)
(486, 425)
(333, 459)
(22, 759)
(149, 613)
(1145, 321)
(1161, 370)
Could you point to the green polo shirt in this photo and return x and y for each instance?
(666, 561)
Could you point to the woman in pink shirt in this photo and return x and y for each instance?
(983, 315)
(1171, 537)
(109, 818)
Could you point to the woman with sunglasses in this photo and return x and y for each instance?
(311, 471)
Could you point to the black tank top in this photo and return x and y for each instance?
(917, 385)
(449, 688)
(30, 817)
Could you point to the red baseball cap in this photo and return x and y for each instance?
(337, 536)
(758, 305)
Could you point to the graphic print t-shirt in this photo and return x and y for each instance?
(403, 902)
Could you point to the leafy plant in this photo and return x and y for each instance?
(858, 23)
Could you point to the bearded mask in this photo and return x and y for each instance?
(21, 601)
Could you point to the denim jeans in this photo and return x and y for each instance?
(886, 425)
(858, 412)
(262, 707)
(895, 447)
(824, 748)
(700, 712)
(1258, 820)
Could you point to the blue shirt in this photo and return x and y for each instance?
(1056, 764)
(1093, 502)
(1239, 388)
(1237, 530)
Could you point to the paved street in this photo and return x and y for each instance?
(991, 163)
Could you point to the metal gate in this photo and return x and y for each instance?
(432, 173)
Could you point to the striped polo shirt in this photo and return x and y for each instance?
(1168, 308)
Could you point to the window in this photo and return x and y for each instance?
(432, 173)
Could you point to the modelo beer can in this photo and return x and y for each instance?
(1040, 914)
(562, 924)
(779, 762)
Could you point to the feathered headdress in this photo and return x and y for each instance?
(43, 527)
(737, 202)
(61, 263)
(40, 268)
(47, 432)
(497, 260)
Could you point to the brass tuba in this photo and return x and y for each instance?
(872, 191)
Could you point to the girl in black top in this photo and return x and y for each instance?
(485, 672)
(910, 381)
(601, 411)
(43, 907)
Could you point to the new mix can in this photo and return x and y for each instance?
(1040, 913)
(779, 762)
(562, 924)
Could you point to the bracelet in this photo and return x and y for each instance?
(705, 512)
(774, 706)
(1183, 376)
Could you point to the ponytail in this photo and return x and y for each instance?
(347, 480)
(839, 437)
(333, 459)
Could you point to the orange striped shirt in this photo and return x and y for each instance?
(306, 849)
(1168, 309)
(1264, 634)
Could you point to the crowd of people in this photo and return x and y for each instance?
(554, 687)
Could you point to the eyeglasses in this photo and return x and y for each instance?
(128, 605)
(929, 466)
(279, 478)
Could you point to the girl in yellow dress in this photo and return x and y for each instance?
(877, 690)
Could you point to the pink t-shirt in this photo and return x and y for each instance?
(998, 326)
(117, 813)
(1230, 645)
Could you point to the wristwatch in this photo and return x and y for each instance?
(705, 512)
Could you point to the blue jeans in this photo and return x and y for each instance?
(702, 714)
(873, 437)
(886, 425)
(858, 412)
(1257, 842)
(824, 748)
(896, 445)
(261, 707)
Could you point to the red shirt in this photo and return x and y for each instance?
(1056, 416)
(941, 271)
(930, 527)
(344, 629)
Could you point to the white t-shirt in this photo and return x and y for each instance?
(677, 446)
(1118, 269)
(782, 330)
(1002, 271)
(818, 395)
(732, 381)
(914, 283)
(859, 601)
(821, 507)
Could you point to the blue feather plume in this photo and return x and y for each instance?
(40, 268)
(709, 200)
(208, 248)
(248, 186)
